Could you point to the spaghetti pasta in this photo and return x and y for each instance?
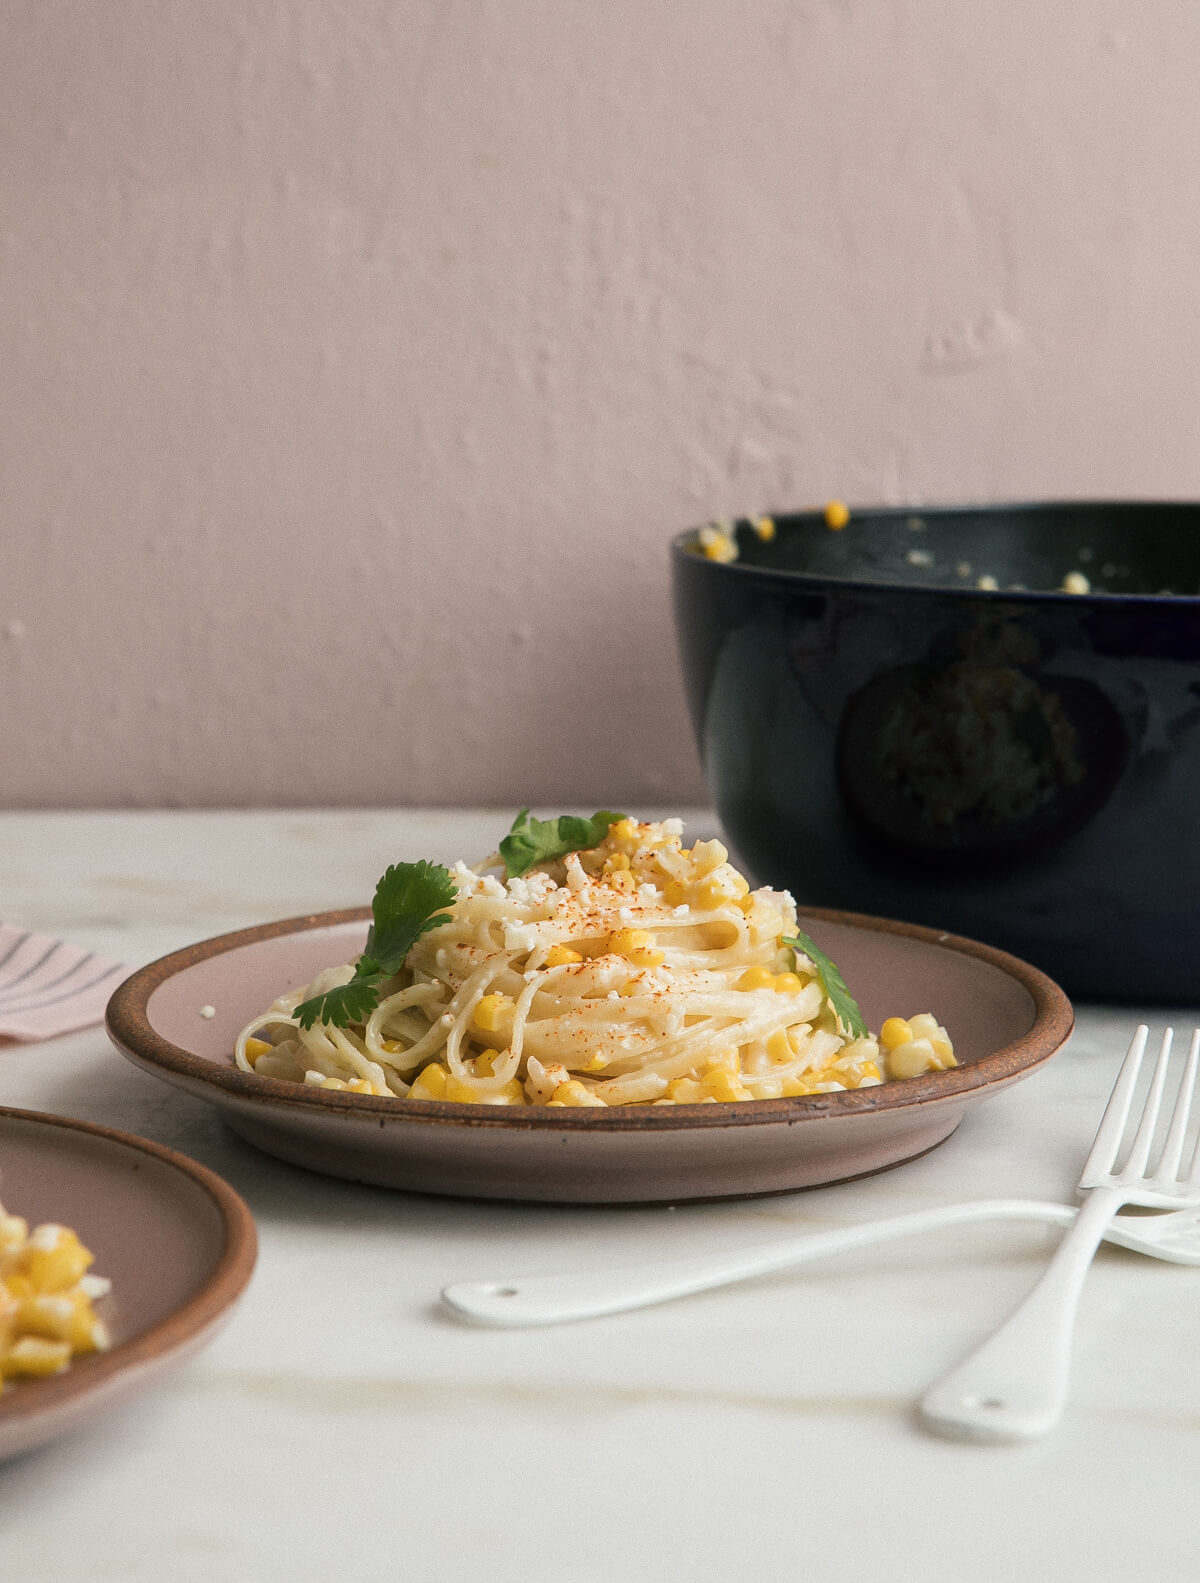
(634, 972)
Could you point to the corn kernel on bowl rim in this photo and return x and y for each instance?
(130, 1026)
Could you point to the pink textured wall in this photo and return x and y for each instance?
(360, 358)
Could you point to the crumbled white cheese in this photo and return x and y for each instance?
(208, 1011)
(576, 878)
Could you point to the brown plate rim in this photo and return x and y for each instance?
(210, 1302)
(129, 1028)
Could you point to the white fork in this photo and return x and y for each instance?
(1014, 1386)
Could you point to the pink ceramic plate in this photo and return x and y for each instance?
(176, 1242)
(1005, 1019)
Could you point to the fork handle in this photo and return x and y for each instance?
(1014, 1386)
(586, 1294)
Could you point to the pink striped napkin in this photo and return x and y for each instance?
(48, 987)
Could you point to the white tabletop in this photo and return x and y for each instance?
(341, 1426)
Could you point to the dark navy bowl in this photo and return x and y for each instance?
(1012, 762)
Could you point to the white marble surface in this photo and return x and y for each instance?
(341, 1426)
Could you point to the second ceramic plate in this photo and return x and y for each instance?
(178, 1019)
(177, 1243)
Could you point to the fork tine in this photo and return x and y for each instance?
(1193, 1176)
(1112, 1124)
(1173, 1147)
(1139, 1154)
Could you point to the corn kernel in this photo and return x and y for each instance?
(33, 1356)
(255, 1048)
(646, 956)
(788, 983)
(623, 830)
(779, 1046)
(717, 543)
(723, 1085)
(686, 1091)
(707, 856)
(460, 1093)
(622, 941)
(837, 515)
(492, 1013)
(757, 978)
(894, 1033)
(9, 1309)
(727, 1060)
(561, 955)
(764, 527)
(61, 1317)
(619, 861)
(13, 1231)
(430, 1083)
(54, 1258)
(711, 894)
(511, 1094)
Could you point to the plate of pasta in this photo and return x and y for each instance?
(596, 1012)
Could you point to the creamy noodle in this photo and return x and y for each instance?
(635, 972)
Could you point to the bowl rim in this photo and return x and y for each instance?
(209, 1303)
(128, 1025)
(683, 551)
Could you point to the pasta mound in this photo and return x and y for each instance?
(637, 972)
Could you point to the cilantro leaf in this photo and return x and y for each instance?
(845, 1007)
(533, 841)
(352, 1002)
(409, 901)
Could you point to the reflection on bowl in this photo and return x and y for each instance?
(1016, 762)
(982, 763)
